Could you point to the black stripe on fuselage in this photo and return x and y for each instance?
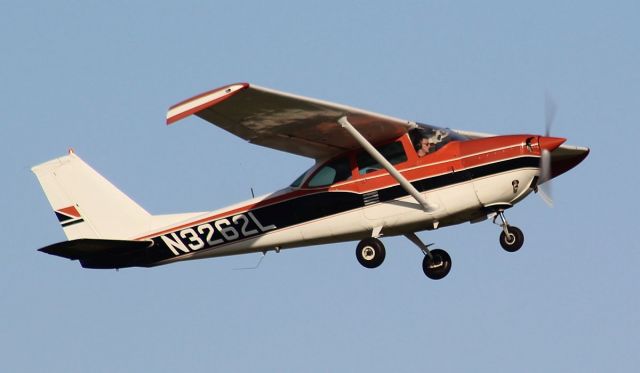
(460, 176)
(311, 207)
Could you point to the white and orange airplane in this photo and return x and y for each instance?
(374, 176)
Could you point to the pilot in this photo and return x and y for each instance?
(425, 146)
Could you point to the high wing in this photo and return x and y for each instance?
(473, 135)
(287, 122)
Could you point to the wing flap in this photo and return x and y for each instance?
(287, 122)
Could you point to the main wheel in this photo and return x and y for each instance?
(438, 265)
(513, 241)
(370, 252)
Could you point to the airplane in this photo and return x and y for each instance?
(374, 175)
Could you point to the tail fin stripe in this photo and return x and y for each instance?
(63, 218)
(72, 222)
(67, 213)
(71, 211)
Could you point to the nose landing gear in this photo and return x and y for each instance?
(511, 238)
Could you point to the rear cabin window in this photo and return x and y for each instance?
(394, 153)
(297, 182)
(333, 172)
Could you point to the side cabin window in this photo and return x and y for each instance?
(393, 152)
(331, 173)
(297, 182)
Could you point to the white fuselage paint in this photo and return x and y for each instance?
(458, 203)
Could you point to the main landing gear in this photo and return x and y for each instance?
(436, 263)
(511, 238)
(370, 252)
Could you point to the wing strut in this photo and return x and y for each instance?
(344, 123)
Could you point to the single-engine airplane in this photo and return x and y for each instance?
(374, 175)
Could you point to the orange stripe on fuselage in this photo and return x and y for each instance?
(453, 157)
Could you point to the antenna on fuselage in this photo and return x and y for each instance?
(252, 195)
(264, 253)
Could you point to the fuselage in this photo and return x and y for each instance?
(349, 198)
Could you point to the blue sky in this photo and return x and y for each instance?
(99, 77)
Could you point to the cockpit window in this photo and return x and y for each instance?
(332, 172)
(297, 182)
(393, 152)
(428, 139)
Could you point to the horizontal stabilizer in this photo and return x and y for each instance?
(103, 254)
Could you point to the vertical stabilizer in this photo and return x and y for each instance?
(88, 205)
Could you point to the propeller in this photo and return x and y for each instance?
(544, 183)
(550, 109)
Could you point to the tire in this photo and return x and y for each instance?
(515, 240)
(442, 262)
(370, 252)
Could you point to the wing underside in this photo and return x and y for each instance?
(291, 123)
(307, 126)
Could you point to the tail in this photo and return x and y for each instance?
(89, 206)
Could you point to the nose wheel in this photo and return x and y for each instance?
(511, 238)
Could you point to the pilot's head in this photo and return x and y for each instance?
(425, 146)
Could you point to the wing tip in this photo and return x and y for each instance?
(202, 101)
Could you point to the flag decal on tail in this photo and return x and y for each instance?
(69, 216)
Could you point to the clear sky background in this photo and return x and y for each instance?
(100, 75)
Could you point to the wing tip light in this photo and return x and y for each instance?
(202, 101)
